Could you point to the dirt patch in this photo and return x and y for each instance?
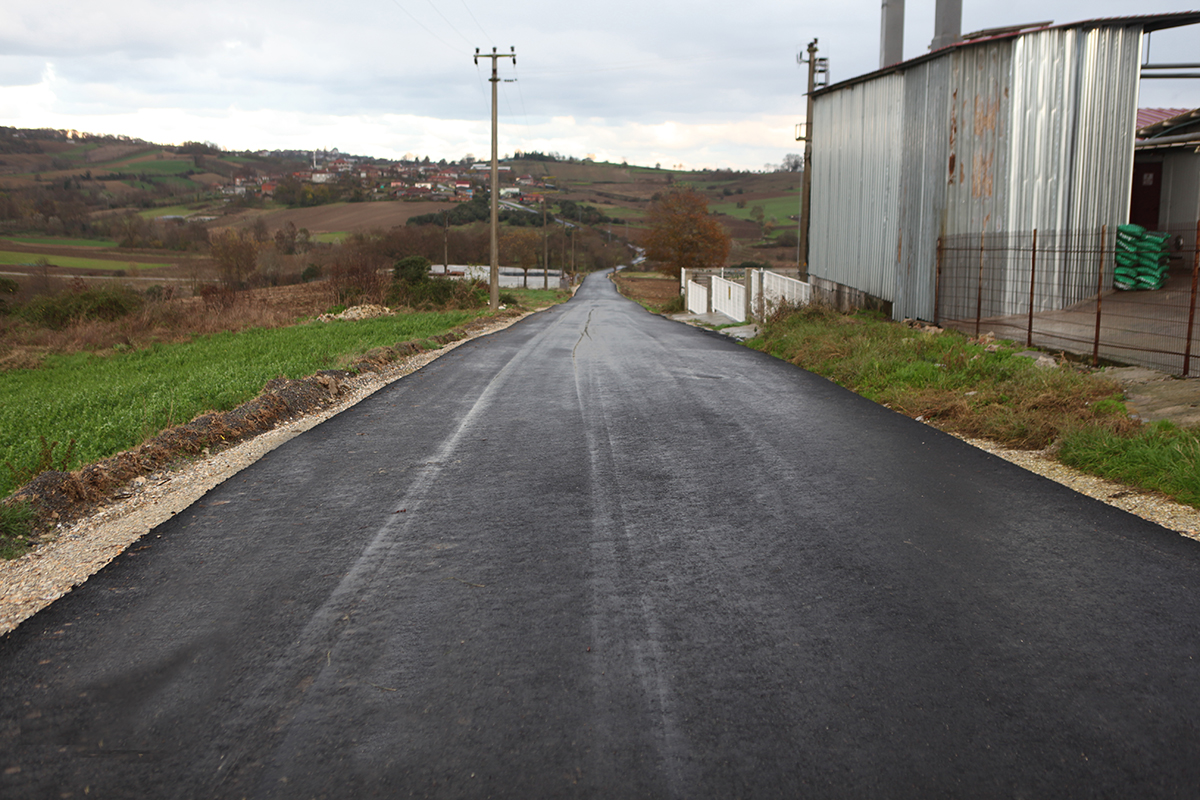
(655, 292)
(342, 216)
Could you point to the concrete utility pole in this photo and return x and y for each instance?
(806, 183)
(495, 271)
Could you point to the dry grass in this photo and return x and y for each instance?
(25, 346)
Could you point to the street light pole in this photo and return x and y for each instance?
(494, 274)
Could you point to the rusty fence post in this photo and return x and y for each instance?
(937, 285)
(1099, 295)
(1032, 273)
(979, 290)
(1187, 347)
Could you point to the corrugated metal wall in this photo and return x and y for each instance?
(1030, 132)
(923, 203)
(855, 210)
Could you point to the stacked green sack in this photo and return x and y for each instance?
(1142, 258)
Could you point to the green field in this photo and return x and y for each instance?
(332, 237)
(72, 262)
(58, 241)
(159, 167)
(778, 207)
(111, 403)
(166, 211)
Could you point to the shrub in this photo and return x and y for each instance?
(310, 273)
(356, 276)
(438, 293)
(676, 305)
(7, 287)
(58, 311)
(411, 269)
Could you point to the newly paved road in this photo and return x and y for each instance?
(602, 554)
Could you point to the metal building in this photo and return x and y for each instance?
(1020, 130)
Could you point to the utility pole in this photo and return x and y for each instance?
(816, 66)
(495, 270)
(545, 249)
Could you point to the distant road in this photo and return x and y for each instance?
(602, 554)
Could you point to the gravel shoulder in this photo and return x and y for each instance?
(82, 548)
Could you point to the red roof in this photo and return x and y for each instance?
(1149, 116)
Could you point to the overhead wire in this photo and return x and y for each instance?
(481, 30)
(448, 22)
(424, 28)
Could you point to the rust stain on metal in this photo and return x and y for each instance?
(953, 130)
(982, 179)
(986, 112)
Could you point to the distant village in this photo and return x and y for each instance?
(400, 180)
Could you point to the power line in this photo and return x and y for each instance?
(431, 33)
(448, 22)
(631, 65)
(472, 16)
(521, 97)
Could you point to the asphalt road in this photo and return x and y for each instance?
(603, 554)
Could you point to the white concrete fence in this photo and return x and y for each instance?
(697, 297)
(759, 293)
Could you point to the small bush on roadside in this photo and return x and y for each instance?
(676, 305)
(437, 293)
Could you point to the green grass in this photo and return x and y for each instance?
(1161, 457)
(166, 211)
(779, 207)
(623, 212)
(51, 240)
(965, 387)
(111, 403)
(164, 166)
(74, 262)
(334, 237)
(16, 528)
(960, 385)
(537, 297)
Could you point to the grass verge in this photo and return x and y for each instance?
(110, 403)
(1161, 457)
(984, 389)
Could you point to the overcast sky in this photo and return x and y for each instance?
(698, 84)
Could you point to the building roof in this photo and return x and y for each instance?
(1147, 22)
(1178, 121)
(1151, 116)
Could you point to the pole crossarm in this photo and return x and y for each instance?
(494, 292)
